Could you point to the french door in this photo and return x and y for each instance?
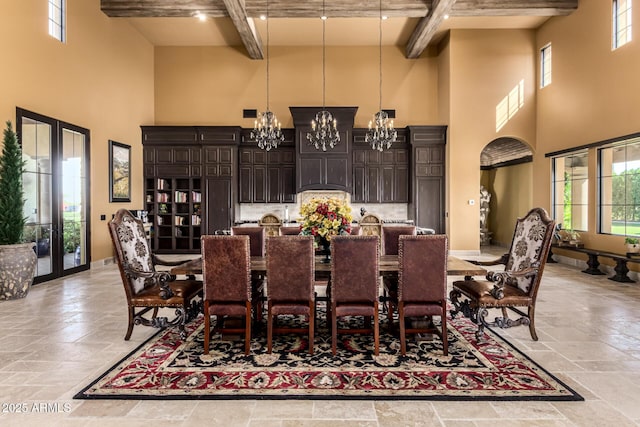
(56, 187)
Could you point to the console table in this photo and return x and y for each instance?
(621, 260)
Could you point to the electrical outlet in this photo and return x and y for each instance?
(472, 202)
(103, 217)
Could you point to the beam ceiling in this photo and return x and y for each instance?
(244, 12)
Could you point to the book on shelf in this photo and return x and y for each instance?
(162, 197)
(162, 184)
(195, 220)
(196, 196)
(180, 197)
(179, 220)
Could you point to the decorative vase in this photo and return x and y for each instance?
(633, 248)
(17, 269)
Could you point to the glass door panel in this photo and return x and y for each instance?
(36, 138)
(73, 198)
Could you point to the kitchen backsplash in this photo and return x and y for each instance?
(254, 211)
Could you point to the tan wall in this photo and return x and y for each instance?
(212, 85)
(101, 79)
(485, 66)
(593, 96)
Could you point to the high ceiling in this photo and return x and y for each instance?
(412, 24)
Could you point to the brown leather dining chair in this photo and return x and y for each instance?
(354, 284)
(290, 286)
(145, 287)
(422, 286)
(226, 273)
(390, 235)
(288, 230)
(517, 286)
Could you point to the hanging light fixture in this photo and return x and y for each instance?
(324, 128)
(381, 133)
(266, 130)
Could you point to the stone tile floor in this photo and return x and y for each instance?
(68, 331)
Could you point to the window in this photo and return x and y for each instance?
(619, 172)
(56, 19)
(545, 66)
(570, 190)
(621, 22)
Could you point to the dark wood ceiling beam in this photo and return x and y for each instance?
(338, 8)
(427, 27)
(162, 8)
(513, 7)
(246, 28)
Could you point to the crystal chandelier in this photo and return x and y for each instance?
(324, 128)
(266, 130)
(381, 133)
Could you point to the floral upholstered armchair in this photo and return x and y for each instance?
(516, 286)
(145, 288)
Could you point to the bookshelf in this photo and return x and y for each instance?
(175, 211)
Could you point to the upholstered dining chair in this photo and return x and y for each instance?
(289, 230)
(147, 289)
(422, 286)
(226, 273)
(354, 284)
(290, 287)
(514, 288)
(390, 235)
(257, 238)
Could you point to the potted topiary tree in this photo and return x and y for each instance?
(17, 259)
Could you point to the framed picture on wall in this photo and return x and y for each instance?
(119, 172)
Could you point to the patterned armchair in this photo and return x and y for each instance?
(147, 289)
(516, 286)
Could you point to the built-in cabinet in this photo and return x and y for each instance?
(190, 181)
(427, 203)
(267, 176)
(196, 175)
(380, 176)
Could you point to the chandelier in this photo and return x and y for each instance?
(381, 133)
(266, 130)
(324, 128)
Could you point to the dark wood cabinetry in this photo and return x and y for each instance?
(427, 206)
(323, 170)
(380, 177)
(190, 177)
(267, 176)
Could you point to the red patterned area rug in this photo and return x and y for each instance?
(165, 367)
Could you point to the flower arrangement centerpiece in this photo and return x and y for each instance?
(324, 218)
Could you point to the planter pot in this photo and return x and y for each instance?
(633, 248)
(17, 269)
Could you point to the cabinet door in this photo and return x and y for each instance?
(274, 187)
(259, 184)
(373, 185)
(359, 186)
(401, 184)
(245, 184)
(430, 203)
(387, 178)
(219, 204)
(288, 181)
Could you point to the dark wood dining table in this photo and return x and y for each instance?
(387, 264)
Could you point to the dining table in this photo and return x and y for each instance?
(388, 264)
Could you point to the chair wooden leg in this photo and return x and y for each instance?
(334, 328)
(132, 314)
(403, 338)
(207, 327)
(247, 332)
(443, 322)
(532, 327)
(269, 328)
(312, 318)
(376, 329)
